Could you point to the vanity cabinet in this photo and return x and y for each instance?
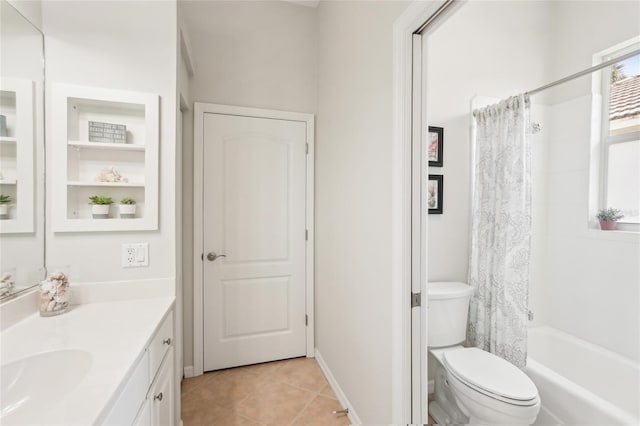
(161, 396)
(149, 396)
(105, 143)
(17, 155)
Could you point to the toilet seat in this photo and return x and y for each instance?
(491, 375)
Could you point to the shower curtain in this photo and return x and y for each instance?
(501, 229)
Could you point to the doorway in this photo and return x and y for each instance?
(253, 280)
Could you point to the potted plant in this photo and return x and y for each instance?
(100, 206)
(4, 205)
(609, 218)
(127, 208)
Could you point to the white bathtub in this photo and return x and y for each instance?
(581, 383)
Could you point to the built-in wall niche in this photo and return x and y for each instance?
(105, 144)
(17, 155)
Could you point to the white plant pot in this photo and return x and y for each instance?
(100, 211)
(127, 211)
(4, 211)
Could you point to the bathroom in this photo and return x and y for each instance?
(335, 60)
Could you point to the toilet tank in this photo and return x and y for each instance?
(448, 312)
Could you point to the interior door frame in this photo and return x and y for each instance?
(404, 371)
(201, 108)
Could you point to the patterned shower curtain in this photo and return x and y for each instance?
(501, 229)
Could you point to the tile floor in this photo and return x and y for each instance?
(290, 392)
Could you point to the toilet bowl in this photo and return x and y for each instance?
(472, 386)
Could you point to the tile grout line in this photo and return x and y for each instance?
(273, 376)
(297, 416)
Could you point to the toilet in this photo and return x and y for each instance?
(472, 386)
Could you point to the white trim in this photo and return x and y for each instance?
(418, 208)
(61, 93)
(198, 242)
(354, 419)
(188, 371)
(200, 109)
(412, 19)
(310, 248)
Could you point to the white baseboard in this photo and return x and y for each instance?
(188, 371)
(353, 416)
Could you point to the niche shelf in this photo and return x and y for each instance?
(17, 159)
(77, 162)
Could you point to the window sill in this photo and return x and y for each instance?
(622, 235)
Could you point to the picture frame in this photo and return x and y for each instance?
(435, 145)
(435, 192)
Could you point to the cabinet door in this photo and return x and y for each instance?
(161, 394)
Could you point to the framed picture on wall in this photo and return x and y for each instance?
(435, 190)
(435, 145)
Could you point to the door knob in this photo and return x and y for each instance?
(211, 256)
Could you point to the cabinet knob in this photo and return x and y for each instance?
(158, 397)
(167, 341)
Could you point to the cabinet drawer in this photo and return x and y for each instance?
(161, 342)
(128, 404)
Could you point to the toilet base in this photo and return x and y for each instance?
(443, 408)
(440, 415)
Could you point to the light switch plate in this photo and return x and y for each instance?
(135, 255)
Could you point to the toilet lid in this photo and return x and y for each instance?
(490, 373)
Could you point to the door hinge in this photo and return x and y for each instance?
(307, 148)
(202, 256)
(306, 320)
(415, 300)
(306, 234)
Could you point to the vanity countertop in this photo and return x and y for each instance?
(115, 334)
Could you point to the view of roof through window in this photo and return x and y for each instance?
(623, 145)
(624, 101)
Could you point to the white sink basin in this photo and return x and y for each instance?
(33, 385)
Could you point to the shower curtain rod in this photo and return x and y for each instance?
(584, 72)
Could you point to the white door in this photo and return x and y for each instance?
(254, 240)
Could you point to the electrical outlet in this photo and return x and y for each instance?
(135, 255)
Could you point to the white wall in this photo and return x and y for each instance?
(591, 278)
(487, 49)
(30, 9)
(353, 200)
(259, 54)
(128, 46)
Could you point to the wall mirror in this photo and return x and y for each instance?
(21, 153)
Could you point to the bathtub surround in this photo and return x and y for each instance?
(501, 229)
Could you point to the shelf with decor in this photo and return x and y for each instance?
(17, 160)
(105, 147)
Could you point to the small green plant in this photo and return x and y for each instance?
(5, 199)
(127, 201)
(100, 200)
(609, 215)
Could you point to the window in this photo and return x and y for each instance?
(620, 182)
